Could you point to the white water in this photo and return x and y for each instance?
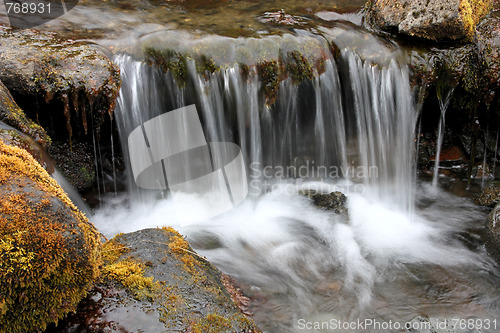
(397, 256)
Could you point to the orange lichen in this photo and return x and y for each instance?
(49, 252)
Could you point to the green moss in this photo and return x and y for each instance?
(169, 61)
(298, 67)
(269, 74)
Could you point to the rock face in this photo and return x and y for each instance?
(434, 20)
(11, 114)
(154, 282)
(79, 81)
(49, 252)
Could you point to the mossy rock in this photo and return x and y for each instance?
(49, 252)
(155, 277)
(493, 233)
(489, 196)
(74, 81)
(438, 20)
(11, 114)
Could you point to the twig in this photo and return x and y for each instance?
(178, 248)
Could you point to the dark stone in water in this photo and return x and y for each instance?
(335, 201)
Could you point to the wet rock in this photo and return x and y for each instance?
(335, 201)
(58, 82)
(432, 20)
(450, 156)
(154, 276)
(489, 196)
(493, 233)
(76, 164)
(49, 252)
(488, 46)
(11, 114)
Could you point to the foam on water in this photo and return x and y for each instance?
(285, 249)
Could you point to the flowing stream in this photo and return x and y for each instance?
(399, 254)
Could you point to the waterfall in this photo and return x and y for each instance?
(349, 127)
(355, 121)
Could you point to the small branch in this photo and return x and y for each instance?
(178, 248)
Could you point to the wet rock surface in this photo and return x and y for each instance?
(76, 163)
(493, 233)
(432, 20)
(49, 252)
(154, 282)
(334, 201)
(62, 83)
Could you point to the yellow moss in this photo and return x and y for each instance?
(43, 272)
(211, 323)
(472, 11)
(113, 249)
(131, 275)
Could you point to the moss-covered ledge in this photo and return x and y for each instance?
(273, 58)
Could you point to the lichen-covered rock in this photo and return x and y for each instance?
(39, 68)
(493, 233)
(489, 196)
(11, 114)
(156, 279)
(49, 252)
(433, 20)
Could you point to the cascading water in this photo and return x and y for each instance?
(444, 102)
(395, 257)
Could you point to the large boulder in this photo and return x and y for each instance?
(49, 252)
(153, 281)
(433, 20)
(77, 79)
